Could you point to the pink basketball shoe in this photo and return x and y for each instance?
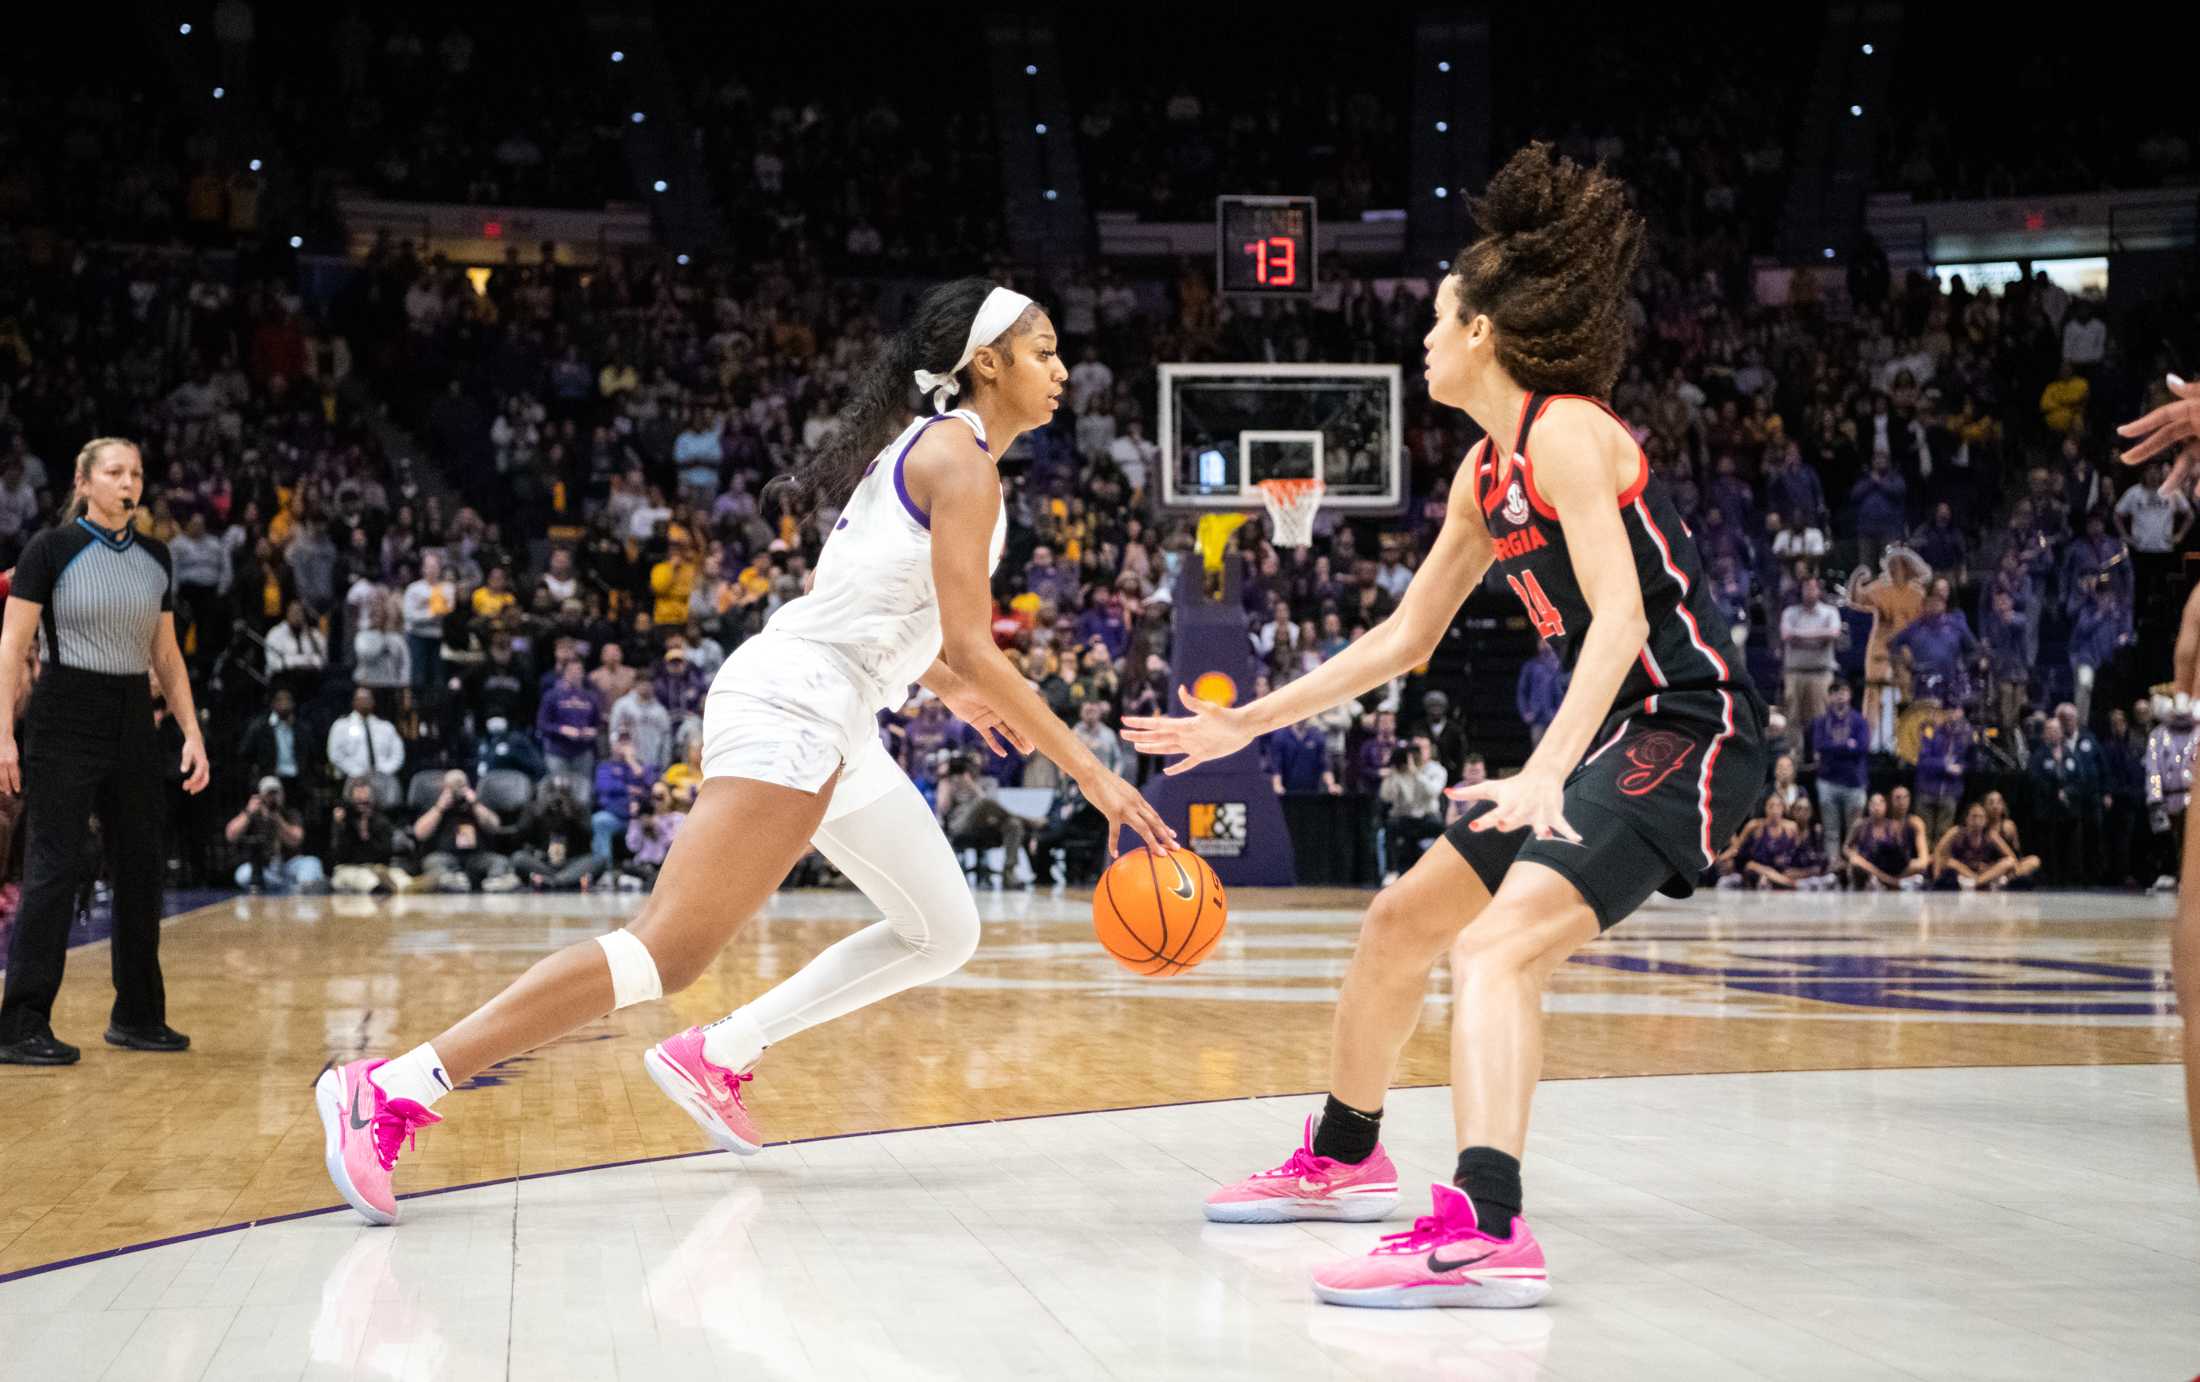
(1310, 1187)
(364, 1128)
(711, 1094)
(1444, 1260)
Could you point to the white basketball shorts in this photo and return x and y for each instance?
(786, 711)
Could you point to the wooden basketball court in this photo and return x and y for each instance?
(1745, 993)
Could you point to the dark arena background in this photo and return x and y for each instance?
(461, 346)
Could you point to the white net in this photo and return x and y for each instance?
(1292, 505)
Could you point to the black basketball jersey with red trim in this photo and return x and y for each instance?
(1686, 648)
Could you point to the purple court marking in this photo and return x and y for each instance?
(1927, 983)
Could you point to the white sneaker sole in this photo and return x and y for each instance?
(328, 1097)
(1493, 1293)
(1343, 1209)
(682, 1091)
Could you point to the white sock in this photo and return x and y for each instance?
(734, 1041)
(417, 1075)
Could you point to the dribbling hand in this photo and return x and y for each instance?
(1122, 804)
(11, 767)
(1211, 731)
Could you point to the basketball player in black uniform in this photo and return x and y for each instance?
(1656, 755)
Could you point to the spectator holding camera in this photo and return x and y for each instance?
(363, 844)
(556, 841)
(269, 836)
(1413, 789)
(649, 837)
(456, 832)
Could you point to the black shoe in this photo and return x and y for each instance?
(42, 1049)
(161, 1038)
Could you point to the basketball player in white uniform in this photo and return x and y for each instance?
(792, 754)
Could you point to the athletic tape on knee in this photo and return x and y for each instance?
(633, 969)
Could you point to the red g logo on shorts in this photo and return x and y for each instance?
(1654, 757)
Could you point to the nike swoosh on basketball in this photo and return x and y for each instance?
(1183, 885)
(1439, 1266)
(356, 1121)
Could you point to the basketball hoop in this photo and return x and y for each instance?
(1291, 508)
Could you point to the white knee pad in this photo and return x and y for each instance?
(633, 969)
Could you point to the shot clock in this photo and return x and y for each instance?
(1265, 245)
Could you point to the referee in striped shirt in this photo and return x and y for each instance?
(102, 596)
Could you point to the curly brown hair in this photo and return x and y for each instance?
(1559, 243)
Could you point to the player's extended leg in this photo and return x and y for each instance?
(894, 850)
(1339, 1170)
(735, 847)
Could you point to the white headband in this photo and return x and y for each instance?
(995, 316)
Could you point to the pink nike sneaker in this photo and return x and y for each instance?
(1444, 1260)
(365, 1127)
(711, 1094)
(1310, 1187)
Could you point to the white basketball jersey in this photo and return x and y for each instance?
(872, 600)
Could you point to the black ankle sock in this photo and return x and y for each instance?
(1344, 1133)
(1491, 1179)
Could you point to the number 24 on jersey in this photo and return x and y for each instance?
(1545, 616)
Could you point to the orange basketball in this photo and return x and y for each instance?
(1158, 913)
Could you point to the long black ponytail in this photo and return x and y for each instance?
(886, 396)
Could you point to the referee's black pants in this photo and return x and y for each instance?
(87, 749)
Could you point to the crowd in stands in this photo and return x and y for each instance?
(1973, 114)
(423, 103)
(484, 670)
(872, 170)
(1164, 136)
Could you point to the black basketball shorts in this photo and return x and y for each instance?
(1664, 788)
